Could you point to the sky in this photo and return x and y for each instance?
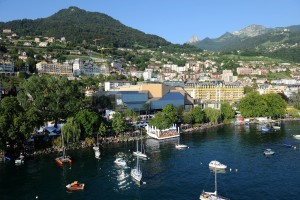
(174, 20)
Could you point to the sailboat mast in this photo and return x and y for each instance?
(216, 187)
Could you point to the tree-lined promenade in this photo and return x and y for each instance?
(41, 99)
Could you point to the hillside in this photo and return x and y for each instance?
(78, 25)
(281, 42)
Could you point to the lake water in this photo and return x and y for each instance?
(169, 173)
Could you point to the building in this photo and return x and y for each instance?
(114, 85)
(158, 96)
(7, 67)
(214, 92)
(65, 69)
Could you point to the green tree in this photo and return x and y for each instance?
(212, 114)
(197, 114)
(88, 120)
(71, 130)
(118, 123)
(160, 121)
(130, 115)
(171, 114)
(187, 117)
(55, 97)
(276, 105)
(252, 105)
(226, 111)
(13, 122)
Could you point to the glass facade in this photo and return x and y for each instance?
(174, 98)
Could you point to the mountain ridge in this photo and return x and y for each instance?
(78, 25)
(252, 37)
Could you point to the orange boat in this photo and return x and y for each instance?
(63, 159)
(75, 186)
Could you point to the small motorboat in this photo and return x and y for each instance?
(289, 145)
(120, 162)
(20, 160)
(268, 152)
(181, 146)
(75, 186)
(265, 129)
(217, 165)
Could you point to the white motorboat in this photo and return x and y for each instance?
(181, 146)
(120, 162)
(20, 160)
(296, 137)
(268, 152)
(217, 165)
(136, 172)
(212, 195)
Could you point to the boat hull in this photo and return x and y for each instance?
(76, 187)
(62, 160)
(217, 165)
(140, 154)
(137, 175)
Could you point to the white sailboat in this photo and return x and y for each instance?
(140, 153)
(212, 195)
(136, 172)
(64, 158)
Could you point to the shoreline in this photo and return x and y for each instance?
(133, 136)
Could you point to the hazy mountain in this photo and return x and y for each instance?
(80, 26)
(254, 37)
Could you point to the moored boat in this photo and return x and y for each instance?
(136, 172)
(120, 162)
(268, 152)
(20, 159)
(75, 186)
(217, 165)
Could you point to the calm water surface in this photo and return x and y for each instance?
(169, 173)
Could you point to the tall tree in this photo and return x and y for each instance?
(71, 130)
(212, 114)
(226, 111)
(88, 120)
(252, 105)
(118, 123)
(197, 114)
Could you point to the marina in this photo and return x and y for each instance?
(168, 173)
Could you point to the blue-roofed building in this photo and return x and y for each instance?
(133, 100)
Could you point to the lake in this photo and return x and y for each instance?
(169, 173)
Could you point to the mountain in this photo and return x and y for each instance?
(80, 27)
(252, 37)
(193, 39)
(251, 31)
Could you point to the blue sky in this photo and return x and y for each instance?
(175, 20)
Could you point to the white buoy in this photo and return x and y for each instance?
(230, 169)
(144, 182)
(236, 170)
(36, 197)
